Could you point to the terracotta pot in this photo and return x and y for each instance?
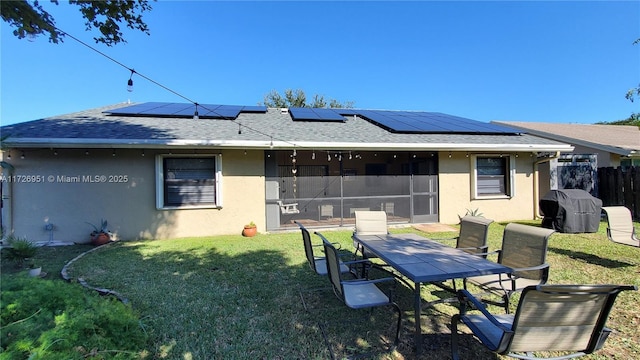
(100, 239)
(249, 231)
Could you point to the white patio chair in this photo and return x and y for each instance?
(369, 223)
(620, 226)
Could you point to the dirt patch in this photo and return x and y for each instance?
(435, 227)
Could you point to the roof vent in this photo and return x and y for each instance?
(284, 110)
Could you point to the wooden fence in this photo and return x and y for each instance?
(618, 186)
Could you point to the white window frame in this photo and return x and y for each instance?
(160, 201)
(510, 177)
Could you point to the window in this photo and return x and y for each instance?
(188, 181)
(492, 176)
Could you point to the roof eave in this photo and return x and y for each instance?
(607, 148)
(268, 144)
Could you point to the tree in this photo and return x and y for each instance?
(633, 92)
(30, 19)
(297, 98)
(634, 119)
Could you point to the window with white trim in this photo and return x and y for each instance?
(493, 176)
(188, 181)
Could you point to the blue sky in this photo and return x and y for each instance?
(517, 61)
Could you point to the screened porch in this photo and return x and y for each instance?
(326, 188)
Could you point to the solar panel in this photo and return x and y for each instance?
(346, 111)
(259, 109)
(315, 114)
(205, 111)
(430, 122)
(135, 109)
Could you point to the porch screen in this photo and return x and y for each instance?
(189, 181)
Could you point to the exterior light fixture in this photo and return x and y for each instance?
(130, 82)
(195, 114)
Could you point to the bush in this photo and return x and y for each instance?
(43, 319)
(21, 249)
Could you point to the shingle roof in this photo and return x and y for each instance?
(94, 128)
(619, 139)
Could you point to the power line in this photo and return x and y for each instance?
(130, 83)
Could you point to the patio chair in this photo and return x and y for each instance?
(620, 226)
(474, 231)
(369, 223)
(388, 207)
(557, 318)
(291, 208)
(358, 293)
(524, 249)
(316, 263)
(325, 211)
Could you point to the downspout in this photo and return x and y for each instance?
(5, 199)
(536, 182)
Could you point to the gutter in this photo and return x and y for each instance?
(536, 183)
(275, 145)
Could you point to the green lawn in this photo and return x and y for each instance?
(229, 297)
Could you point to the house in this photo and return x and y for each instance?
(595, 146)
(167, 170)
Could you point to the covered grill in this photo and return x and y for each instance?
(571, 211)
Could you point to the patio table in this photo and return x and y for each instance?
(423, 261)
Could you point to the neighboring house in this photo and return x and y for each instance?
(154, 170)
(595, 146)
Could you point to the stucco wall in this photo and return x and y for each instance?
(455, 191)
(605, 158)
(64, 197)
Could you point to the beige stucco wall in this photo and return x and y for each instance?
(129, 206)
(455, 191)
(605, 158)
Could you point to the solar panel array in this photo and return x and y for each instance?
(418, 122)
(205, 111)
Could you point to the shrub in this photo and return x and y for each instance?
(42, 319)
(21, 249)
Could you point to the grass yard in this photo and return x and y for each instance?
(229, 297)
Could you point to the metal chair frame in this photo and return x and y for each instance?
(358, 293)
(549, 318)
(524, 249)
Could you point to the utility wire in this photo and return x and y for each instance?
(162, 86)
(126, 67)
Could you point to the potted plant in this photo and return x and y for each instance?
(36, 271)
(100, 235)
(249, 230)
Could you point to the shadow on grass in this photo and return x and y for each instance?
(590, 258)
(239, 298)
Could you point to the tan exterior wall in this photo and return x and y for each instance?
(62, 196)
(605, 158)
(455, 191)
